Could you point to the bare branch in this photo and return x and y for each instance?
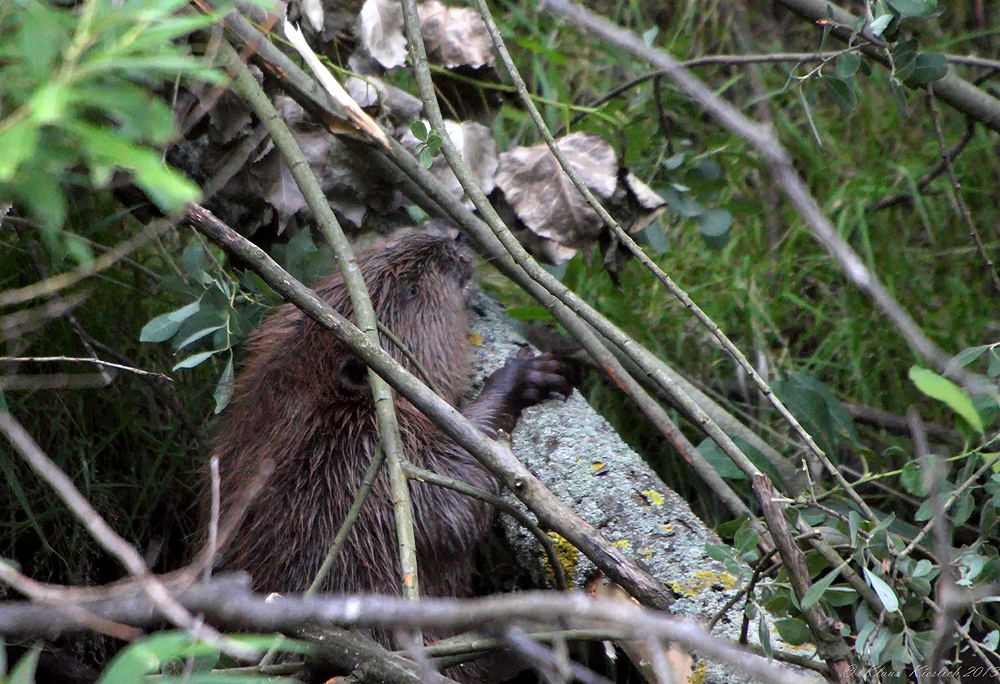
(109, 539)
(98, 362)
(225, 601)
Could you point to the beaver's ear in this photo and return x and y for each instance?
(353, 376)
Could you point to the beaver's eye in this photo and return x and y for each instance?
(412, 291)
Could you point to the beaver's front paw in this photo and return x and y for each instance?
(526, 380)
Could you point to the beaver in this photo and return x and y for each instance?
(302, 400)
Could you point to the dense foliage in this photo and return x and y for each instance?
(87, 95)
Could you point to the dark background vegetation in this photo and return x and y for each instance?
(135, 447)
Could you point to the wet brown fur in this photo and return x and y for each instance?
(292, 404)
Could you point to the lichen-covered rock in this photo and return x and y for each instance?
(584, 462)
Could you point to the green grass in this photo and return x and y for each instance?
(790, 302)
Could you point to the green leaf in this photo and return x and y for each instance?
(993, 370)
(46, 200)
(912, 479)
(913, 9)
(419, 130)
(885, 593)
(170, 65)
(816, 591)
(199, 334)
(764, 634)
(674, 162)
(719, 552)
(746, 540)
(24, 671)
(709, 169)
(713, 224)
(721, 463)
(163, 327)
(168, 189)
(987, 519)
(655, 238)
(848, 64)
(962, 509)
(947, 392)
(967, 356)
(17, 143)
(880, 23)
(224, 388)
(77, 249)
(140, 116)
(793, 631)
(842, 90)
(927, 68)
(904, 56)
(840, 596)
(41, 38)
(529, 312)
(49, 102)
(194, 360)
(195, 259)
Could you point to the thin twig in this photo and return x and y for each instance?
(98, 362)
(212, 545)
(424, 475)
(228, 600)
(62, 281)
(545, 659)
(956, 189)
(388, 425)
(928, 177)
(496, 456)
(516, 251)
(782, 168)
(109, 539)
(352, 515)
(44, 593)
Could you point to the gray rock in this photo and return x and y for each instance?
(583, 461)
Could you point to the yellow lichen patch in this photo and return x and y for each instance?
(698, 676)
(668, 528)
(700, 582)
(727, 580)
(621, 544)
(569, 558)
(653, 497)
(476, 339)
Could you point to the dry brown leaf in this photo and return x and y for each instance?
(380, 28)
(455, 36)
(554, 218)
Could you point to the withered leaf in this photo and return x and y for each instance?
(380, 29)
(554, 218)
(543, 196)
(455, 36)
